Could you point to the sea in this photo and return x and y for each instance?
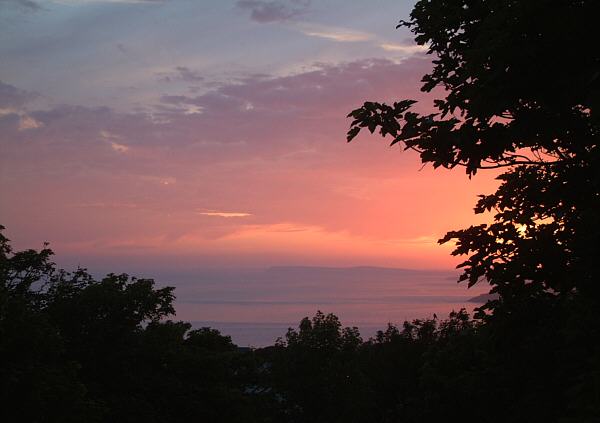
(255, 307)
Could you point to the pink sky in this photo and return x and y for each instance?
(179, 167)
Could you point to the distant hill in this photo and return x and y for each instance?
(355, 270)
(337, 269)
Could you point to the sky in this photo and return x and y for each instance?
(148, 135)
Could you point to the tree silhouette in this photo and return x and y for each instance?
(38, 382)
(513, 101)
(315, 370)
(73, 348)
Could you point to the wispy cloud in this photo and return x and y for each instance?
(13, 97)
(112, 139)
(22, 4)
(13, 103)
(335, 33)
(101, 204)
(27, 122)
(119, 148)
(34, 5)
(403, 48)
(181, 73)
(106, 1)
(225, 214)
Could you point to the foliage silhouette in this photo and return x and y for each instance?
(315, 370)
(511, 103)
(79, 349)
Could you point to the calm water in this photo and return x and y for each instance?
(255, 306)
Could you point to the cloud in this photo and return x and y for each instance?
(343, 35)
(181, 73)
(112, 139)
(410, 48)
(112, 1)
(12, 106)
(107, 135)
(33, 6)
(28, 5)
(263, 11)
(257, 118)
(119, 148)
(188, 75)
(13, 97)
(27, 122)
(225, 214)
(314, 94)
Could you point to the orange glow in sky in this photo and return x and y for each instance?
(218, 156)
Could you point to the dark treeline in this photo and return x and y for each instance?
(521, 81)
(76, 349)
